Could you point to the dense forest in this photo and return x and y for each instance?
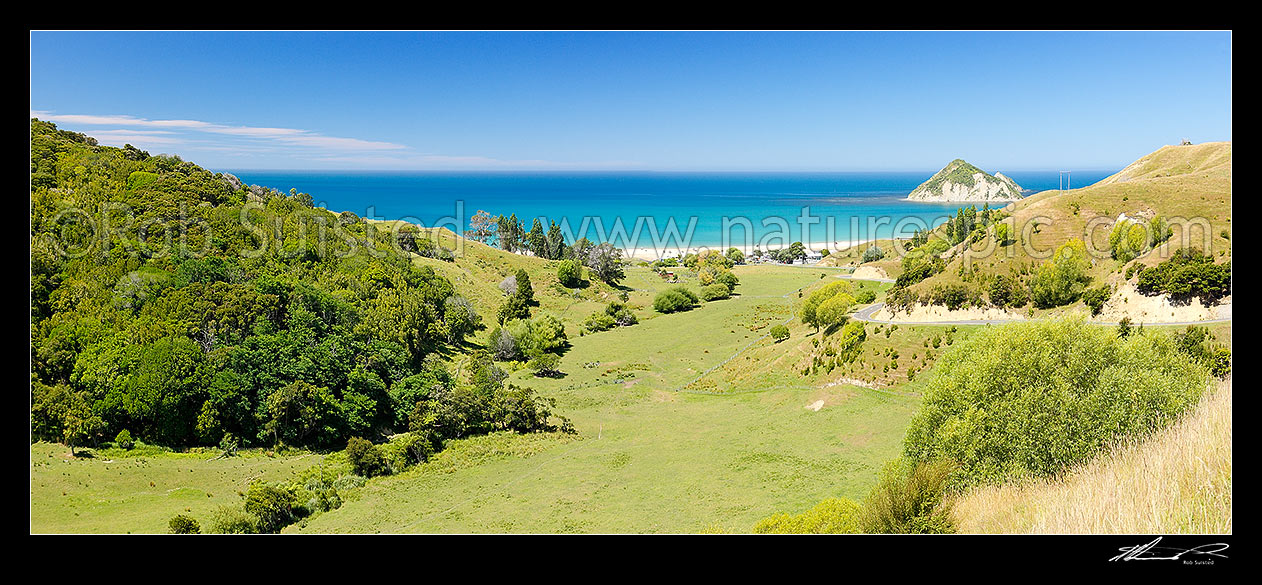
(187, 308)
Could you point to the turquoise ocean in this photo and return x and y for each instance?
(760, 208)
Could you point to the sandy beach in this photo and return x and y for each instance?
(650, 254)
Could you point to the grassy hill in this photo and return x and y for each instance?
(1188, 185)
(1178, 481)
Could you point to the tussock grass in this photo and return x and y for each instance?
(1176, 481)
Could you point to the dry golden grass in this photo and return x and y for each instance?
(1177, 481)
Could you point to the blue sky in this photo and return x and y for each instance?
(722, 101)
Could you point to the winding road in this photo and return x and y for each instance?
(865, 314)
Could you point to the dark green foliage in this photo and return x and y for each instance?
(181, 524)
(873, 253)
(186, 345)
(365, 458)
(1198, 343)
(1187, 274)
(536, 240)
(1096, 297)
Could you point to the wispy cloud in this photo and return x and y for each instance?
(279, 147)
(291, 136)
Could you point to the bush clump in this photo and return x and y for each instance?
(674, 299)
(779, 333)
(1032, 399)
(831, 516)
(365, 457)
(181, 524)
(716, 292)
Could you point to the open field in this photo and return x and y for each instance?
(650, 459)
(114, 493)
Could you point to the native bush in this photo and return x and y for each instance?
(1036, 398)
(181, 524)
(831, 516)
(715, 292)
(674, 299)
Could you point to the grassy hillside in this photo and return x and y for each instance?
(1176, 182)
(1178, 481)
(732, 446)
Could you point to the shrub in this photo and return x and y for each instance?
(1096, 297)
(1035, 398)
(1127, 240)
(1000, 291)
(865, 296)
(598, 322)
(181, 524)
(570, 273)
(231, 520)
(544, 364)
(1187, 274)
(271, 505)
(779, 333)
(715, 292)
(674, 299)
(365, 457)
(1062, 279)
(124, 441)
(952, 296)
(831, 516)
(621, 314)
(909, 498)
(872, 254)
(810, 311)
(852, 338)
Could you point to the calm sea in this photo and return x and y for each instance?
(839, 207)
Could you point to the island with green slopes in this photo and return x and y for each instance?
(961, 181)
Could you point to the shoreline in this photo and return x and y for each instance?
(649, 253)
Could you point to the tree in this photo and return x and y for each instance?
(810, 314)
(365, 457)
(181, 524)
(605, 260)
(570, 273)
(525, 291)
(834, 310)
(79, 424)
(1061, 280)
(796, 251)
(482, 227)
(872, 254)
(536, 240)
(779, 333)
(555, 241)
(271, 505)
(735, 255)
(300, 413)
